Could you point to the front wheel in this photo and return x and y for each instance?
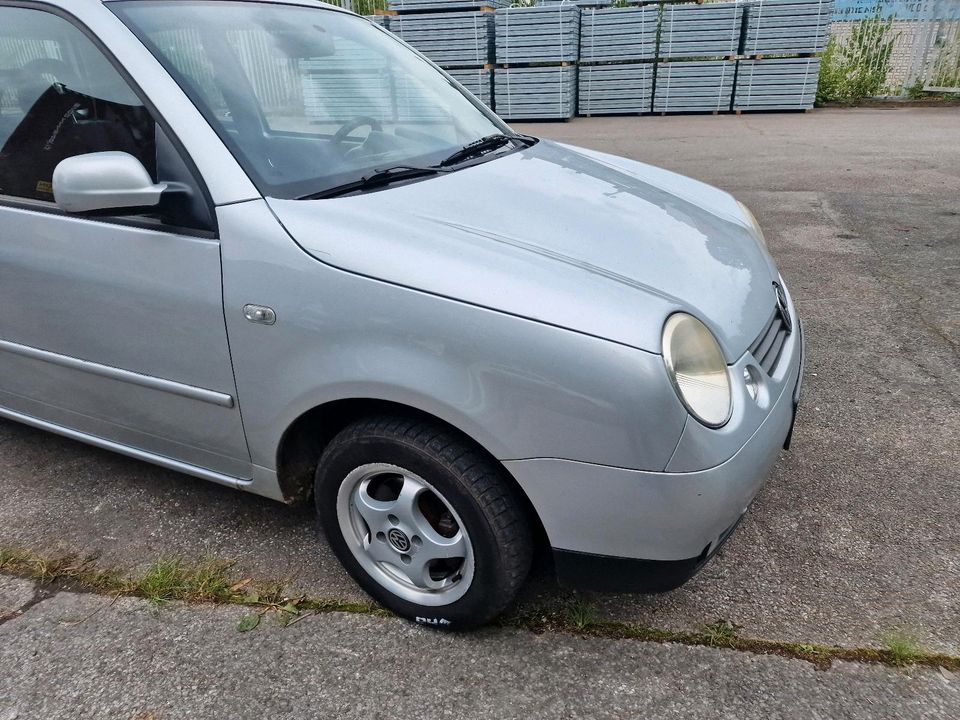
(426, 523)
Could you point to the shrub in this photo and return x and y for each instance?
(857, 68)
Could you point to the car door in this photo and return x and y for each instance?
(110, 327)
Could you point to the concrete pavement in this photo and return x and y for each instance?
(83, 656)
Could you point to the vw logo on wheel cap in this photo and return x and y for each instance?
(399, 540)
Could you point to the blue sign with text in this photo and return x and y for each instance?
(900, 9)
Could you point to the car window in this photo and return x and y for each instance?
(60, 97)
(307, 98)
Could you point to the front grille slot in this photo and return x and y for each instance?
(769, 345)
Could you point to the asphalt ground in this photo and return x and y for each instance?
(854, 537)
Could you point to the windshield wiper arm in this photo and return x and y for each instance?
(480, 147)
(378, 178)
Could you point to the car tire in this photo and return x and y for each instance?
(385, 484)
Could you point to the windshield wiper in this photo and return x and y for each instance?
(398, 173)
(483, 146)
(378, 178)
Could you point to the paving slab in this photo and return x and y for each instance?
(79, 656)
(15, 593)
(854, 536)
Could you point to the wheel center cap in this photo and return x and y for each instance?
(399, 540)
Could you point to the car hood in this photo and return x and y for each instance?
(574, 238)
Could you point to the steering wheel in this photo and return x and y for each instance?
(348, 127)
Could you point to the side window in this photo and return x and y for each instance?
(60, 97)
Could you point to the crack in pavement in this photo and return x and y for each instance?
(883, 269)
(536, 620)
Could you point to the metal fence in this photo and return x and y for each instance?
(916, 43)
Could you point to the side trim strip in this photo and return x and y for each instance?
(169, 463)
(127, 376)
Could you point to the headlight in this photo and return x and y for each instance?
(753, 223)
(697, 369)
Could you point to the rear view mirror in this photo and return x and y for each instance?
(104, 181)
(297, 42)
(304, 43)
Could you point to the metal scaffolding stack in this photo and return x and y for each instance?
(776, 84)
(694, 86)
(615, 88)
(617, 46)
(457, 35)
(345, 86)
(564, 56)
(477, 80)
(536, 53)
(782, 28)
(696, 56)
(618, 34)
(450, 39)
(787, 27)
(425, 6)
(711, 30)
(581, 3)
(540, 34)
(545, 92)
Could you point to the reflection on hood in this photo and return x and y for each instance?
(581, 240)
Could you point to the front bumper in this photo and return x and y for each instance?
(617, 574)
(619, 529)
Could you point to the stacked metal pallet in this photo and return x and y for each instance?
(615, 88)
(694, 86)
(616, 47)
(782, 28)
(540, 34)
(412, 104)
(420, 6)
(581, 3)
(787, 27)
(477, 80)
(454, 38)
(350, 84)
(543, 92)
(776, 84)
(700, 31)
(711, 33)
(618, 34)
(356, 82)
(536, 50)
(450, 39)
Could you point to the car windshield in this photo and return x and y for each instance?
(310, 99)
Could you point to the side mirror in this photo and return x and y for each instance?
(104, 181)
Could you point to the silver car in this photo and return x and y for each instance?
(272, 246)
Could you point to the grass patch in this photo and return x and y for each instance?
(582, 613)
(903, 648)
(162, 581)
(722, 633)
(47, 569)
(211, 581)
(172, 579)
(168, 579)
